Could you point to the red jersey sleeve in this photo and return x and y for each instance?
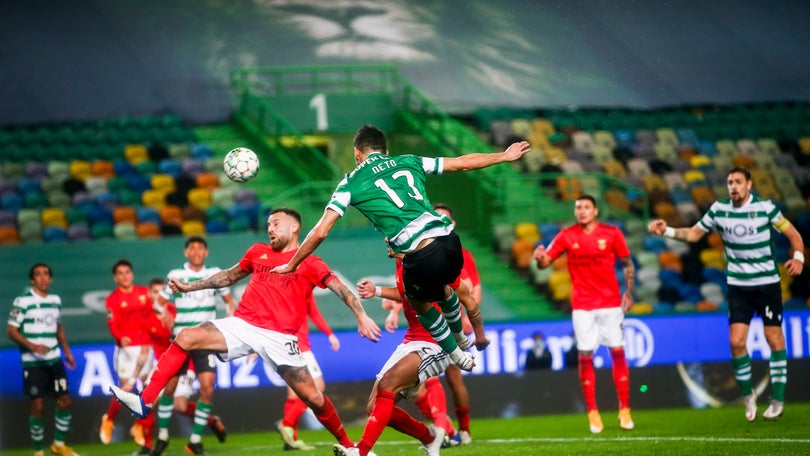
(558, 246)
(246, 263)
(470, 270)
(317, 318)
(620, 244)
(113, 317)
(317, 271)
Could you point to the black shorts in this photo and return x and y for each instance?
(49, 379)
(427, 271)
(764, 300)
(203, 361)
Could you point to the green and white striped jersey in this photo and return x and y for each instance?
(197, 306)
(390, 193)
(37, 318)
(746, 233)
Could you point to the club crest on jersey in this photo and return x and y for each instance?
(601, 244)
(752, 215)
(575, 246)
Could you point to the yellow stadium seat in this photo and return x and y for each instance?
(80, 169)
(54, 216)
(153, 198)
(163, 183)
(192, 228)
(136, 153)
(199, 198)
(528, 231)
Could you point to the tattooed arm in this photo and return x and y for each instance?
(365, 325)
(660, 228)
(630, 280)
(221, 279)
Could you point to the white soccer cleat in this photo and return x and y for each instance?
(132, 401)
(750, 407)
(340, 450)
(462, 359)
(464, 437)
(432, 448)
(462, 341)
(774, 410)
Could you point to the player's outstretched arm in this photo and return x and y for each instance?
(659, 227)
(365, 325)
(473, 161)
(474, 314)
(314, 238)
(221, 279)
(629, 280)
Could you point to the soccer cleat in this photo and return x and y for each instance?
(432, 448)
(451, 441)
(462, 359)
(160, 447)
(595, 422)
(105, 430)
(136, 431)
(462, 341)
(340, 450)
(625, 420)
(62, 450)
(143, 451)
(194, 448)
(774, 410)
(750, 407)
(132, 401)
(217, 427)
(465, 437)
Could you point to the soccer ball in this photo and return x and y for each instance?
(241, 164)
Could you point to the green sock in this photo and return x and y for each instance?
(742, 372)
(37, 430)
(778, 366)
(164, 416)
(434, 322)
(200, 421)
(451, 308)
(62, 419)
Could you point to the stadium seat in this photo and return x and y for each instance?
(171, 215)
(80, 170)
(163, 183)
(223, 196)
(124, 231)
(192, 228)
(136, 153)
(208, 181)
(124, 214)
(103, 168)
(216, 226)
(53, 234)
(201, 151)
(36, 170)
(9, 235)
(53, 216)
(96, 185)
(155, 199)
(194, 213)
(31, 232)
(148, 230)
(11, 201)
(8, 218)
(199, 198)
(179, 151)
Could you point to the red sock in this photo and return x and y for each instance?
(191, 408)
(377, 420)
(403, 422)
(437, 401)
(113, 408)
(328, 416)
(148, 426)
(424, 406)
(168, 366)
(621, 376)
(463, 415)
(587, 379)
(293, 409)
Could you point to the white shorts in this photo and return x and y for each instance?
(598, 327)
(434, 362)
(312, 364)
(274, 348)
(125, 360)
(185, 384)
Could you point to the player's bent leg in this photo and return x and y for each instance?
(299, 379)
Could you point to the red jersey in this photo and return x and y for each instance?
(469, 271)
(317, 318)
(131, 315)
(278, 301)
(415, 331)
(162, 339)
(591, 260)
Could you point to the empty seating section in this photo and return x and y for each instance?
(123, 178)
(679, 157)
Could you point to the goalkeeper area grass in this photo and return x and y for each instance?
(721, 431)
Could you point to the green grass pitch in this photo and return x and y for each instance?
(722, 431)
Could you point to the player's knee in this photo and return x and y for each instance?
(63, 402)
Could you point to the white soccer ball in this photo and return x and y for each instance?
(241, 164)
